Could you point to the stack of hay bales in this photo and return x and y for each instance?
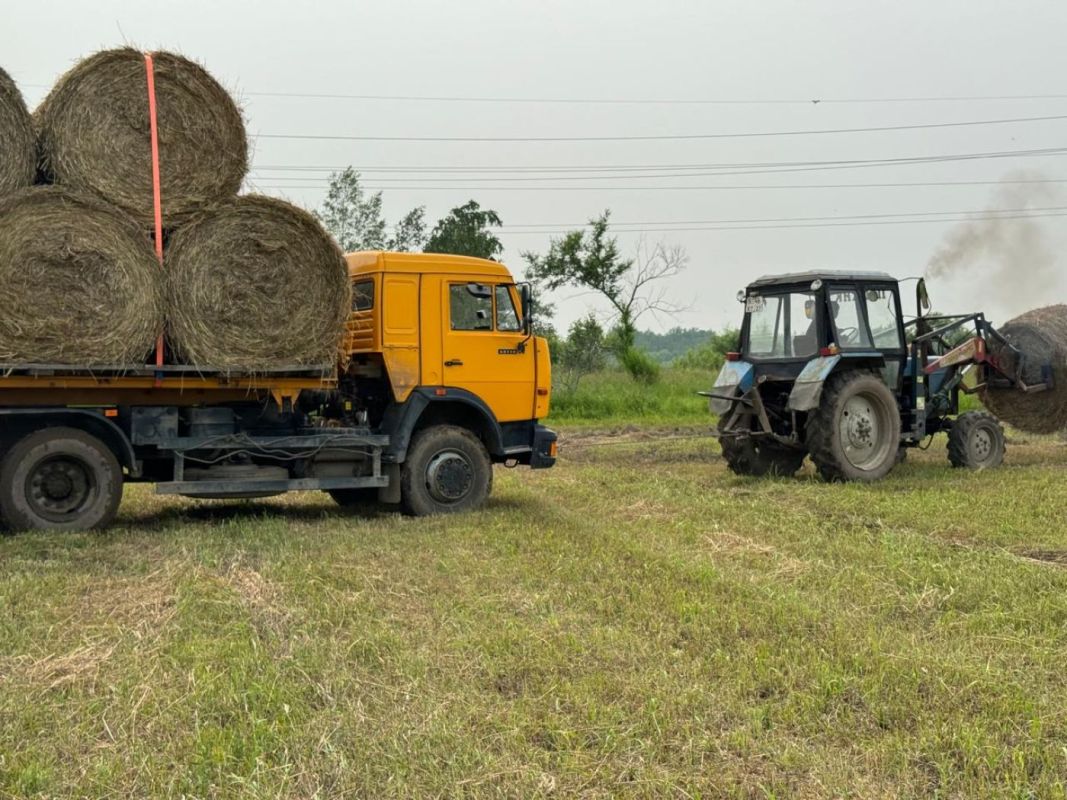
(1041, 335)
(248, 284)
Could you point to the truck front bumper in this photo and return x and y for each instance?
(545, 446)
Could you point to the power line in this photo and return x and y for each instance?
(725, 187)
(653, 101)
(370, 187)
(991, 213)
(742, 168)
(657, 137)
(639, 100)
(802, 225)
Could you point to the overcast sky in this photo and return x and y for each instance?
(768, 58)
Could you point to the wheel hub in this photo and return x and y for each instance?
(862, 429)
(449, 476)
(59, 486)
(981, 444)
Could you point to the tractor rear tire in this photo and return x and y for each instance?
(59, 479)
(748, 455)
(854, 434)
(976, 441)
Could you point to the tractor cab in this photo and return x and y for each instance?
(792, 319)
(827, 367)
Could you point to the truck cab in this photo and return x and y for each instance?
(446, 340)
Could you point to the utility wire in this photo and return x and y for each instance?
(761, 168)
(657, 137)
(639, 101)
(649, 100)
(730, 187)
(644, 167)
(991, 213)
(801, 225)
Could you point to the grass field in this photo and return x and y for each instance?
(611, 398)
(636, 622)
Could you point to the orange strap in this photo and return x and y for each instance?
(157, 193)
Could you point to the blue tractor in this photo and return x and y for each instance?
(828, 368)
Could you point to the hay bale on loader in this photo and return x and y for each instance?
(79, 282)
(18, 142)
(1041, 334)
(95, 135)
(256, 284)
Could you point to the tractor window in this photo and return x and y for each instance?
(471, 307)
(507, 319)
(781, 325)
(882, 314)
(848, 319)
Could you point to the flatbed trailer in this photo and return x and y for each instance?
(441, 377)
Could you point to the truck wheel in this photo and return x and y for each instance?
(59, 479)
(447, 470)
(354, 498)
(747, 455)
(976, 441)
(854, 434)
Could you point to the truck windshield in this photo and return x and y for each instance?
(781, 325)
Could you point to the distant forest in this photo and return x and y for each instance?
(666, 347)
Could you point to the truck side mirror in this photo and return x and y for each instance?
(526, 296)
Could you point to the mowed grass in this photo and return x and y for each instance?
(635, 623)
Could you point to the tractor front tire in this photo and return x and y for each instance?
(976, 441)
(746, 455)
(854, 434)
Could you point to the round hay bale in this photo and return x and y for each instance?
(1041, 334)
(255, 285)
(18, 143)
(95, 134)
(79, 282)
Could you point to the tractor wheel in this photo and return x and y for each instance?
(447, 470)
(59, 479)
(746, 455)
(854, 434)
(976, 441)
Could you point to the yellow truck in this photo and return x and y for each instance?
(441, 377)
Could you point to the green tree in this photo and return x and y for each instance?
(710, 355)
(465, 231)
(410, 233)
(591, 260)
(356, 220)
(583, 351)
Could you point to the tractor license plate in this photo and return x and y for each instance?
(754, 303)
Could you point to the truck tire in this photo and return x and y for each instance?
(447, 470)
(59, 479)
(976, 441)
(854, 434)
(354, 498)
(747, 455)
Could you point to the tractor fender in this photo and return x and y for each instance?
(735, 378)
(807, 390)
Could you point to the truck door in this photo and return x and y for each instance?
(485, 350)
